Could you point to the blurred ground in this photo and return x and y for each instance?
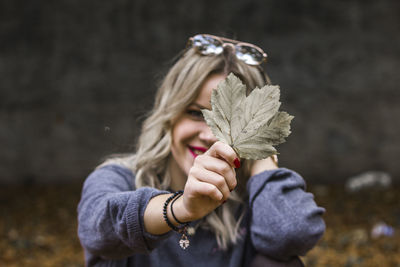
(38, 227)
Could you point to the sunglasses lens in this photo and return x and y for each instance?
(207, 45)
(249, 55)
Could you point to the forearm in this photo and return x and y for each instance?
(109, 224)
(110, 214)
(287, 221)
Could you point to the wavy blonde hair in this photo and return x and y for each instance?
(178, 90)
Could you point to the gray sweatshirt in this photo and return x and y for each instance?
(282, 222)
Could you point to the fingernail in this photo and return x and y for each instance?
(236, 162)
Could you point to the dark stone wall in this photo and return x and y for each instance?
(77, 77)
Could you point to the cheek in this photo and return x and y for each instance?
(182, 131)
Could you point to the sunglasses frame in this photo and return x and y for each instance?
(225, 42)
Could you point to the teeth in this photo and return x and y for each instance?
(198, 152)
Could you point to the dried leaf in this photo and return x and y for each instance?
(252, 125)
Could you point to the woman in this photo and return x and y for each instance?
(232, 212)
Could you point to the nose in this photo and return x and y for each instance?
(206, 135)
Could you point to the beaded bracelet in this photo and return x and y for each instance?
(184, 241)
(173, 227)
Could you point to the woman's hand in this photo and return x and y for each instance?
(264, 164)
(210, 181)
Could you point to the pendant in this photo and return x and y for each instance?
(184, 242)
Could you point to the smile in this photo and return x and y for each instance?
(195, 150)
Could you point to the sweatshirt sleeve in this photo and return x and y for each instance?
(110, 214)
(285, 219)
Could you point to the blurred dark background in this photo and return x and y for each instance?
(77, 77)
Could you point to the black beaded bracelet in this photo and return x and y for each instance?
(184, 241)
(173, 227)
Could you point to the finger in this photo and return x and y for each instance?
(200, 188)
(220, 167)
(224, 151)
(213, 178)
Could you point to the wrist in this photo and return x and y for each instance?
(263, 165)
(180, 211)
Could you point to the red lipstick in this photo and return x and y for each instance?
(202, 149)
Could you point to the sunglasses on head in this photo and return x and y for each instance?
(207, 44)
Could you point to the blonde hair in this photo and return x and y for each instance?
(179, 89)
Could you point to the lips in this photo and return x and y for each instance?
(196, 150)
